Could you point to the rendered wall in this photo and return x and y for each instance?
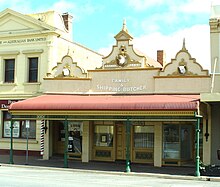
(215, 145)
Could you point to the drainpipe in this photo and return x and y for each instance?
(128, 144)
(197, 172)
(66, 143)
(11, 145)
(213, 75)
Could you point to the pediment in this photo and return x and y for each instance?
(67, 69)
(12, 22)
(183, 65)
(123, 35)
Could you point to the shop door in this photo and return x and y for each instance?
(186, 142)
(120, 142)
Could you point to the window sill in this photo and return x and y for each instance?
(7, 84)
(15, 140)
(31, 83)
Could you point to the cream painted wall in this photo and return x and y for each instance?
(85, 142)
(158, 139)
(177, 85)
(215, 50)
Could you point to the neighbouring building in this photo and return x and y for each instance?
(30, 46)
(130, 108)
(212, 97)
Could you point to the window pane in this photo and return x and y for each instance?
(144, 136)
(75, 137)
(186, 142)
(33, 69)
(7, 129)
(9, 70)
(171, 142)
(103, 135)
(31, 130)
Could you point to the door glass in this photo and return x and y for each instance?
(75, 137)
(171, 144)
(186, 147)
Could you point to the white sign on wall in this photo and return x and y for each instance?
(23, 40)
(7, 129)
(121, 85)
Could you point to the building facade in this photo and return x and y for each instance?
(212, 97)
(30, 46)
(130, 108)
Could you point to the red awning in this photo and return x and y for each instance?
(106, 102)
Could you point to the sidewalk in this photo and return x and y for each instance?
(107, 167)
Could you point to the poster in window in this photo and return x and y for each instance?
(7, 129)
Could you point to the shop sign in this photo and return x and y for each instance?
(121, 85)
(4, 104)
(23, 40)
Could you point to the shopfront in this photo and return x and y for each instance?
(116, 129)
(109, 141)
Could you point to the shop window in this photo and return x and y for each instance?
(33, 69)
(171, 139)
(177, 141)
(103, 135)
(19, 128)
(9, 70)
(31, 130)
(143, 136)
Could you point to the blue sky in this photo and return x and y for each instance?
(154, 24)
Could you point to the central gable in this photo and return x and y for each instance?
(123, 54)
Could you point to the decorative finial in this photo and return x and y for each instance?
(184, 46)
(124, 28)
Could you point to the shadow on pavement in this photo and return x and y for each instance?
(58, 162)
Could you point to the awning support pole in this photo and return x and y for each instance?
(66, 143)
(128, 133)
(197, 173)
(11, 143)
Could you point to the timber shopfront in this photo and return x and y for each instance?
(132, 108)
(156, 129)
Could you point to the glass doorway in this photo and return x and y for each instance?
(74, 138)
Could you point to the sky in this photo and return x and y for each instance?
(154, 24)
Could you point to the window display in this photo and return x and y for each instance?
(75, 137)
(103, 135)
(143, 136)
(177, 141)
(171, 142)
(19, 128)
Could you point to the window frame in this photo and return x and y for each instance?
(6, 78)
(19, 133)
(32, 69)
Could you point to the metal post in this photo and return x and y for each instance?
(128, 129)
(66, 143)
(11, 144)
(197, 173)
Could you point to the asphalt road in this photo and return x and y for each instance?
(41, 177)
